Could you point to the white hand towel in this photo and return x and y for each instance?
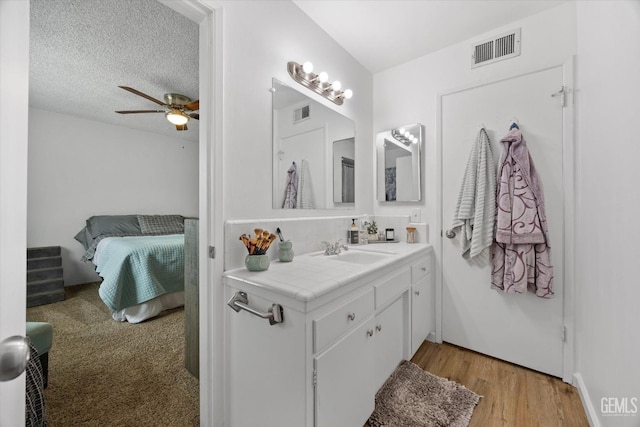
(475, 211)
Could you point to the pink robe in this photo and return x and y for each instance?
(520, 254)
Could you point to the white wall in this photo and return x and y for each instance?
(548, 38)
(608, 288)
(604, 35)
(259, 38)
(79, 168)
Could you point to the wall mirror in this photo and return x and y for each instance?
(398, 164)
(313, 153)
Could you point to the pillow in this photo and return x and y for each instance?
(161, 224)
(84, 238)
(113, 224)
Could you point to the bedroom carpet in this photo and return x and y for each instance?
(107, 373)
(412, 397)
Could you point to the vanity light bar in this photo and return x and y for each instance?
(318, 83)
(404, 136)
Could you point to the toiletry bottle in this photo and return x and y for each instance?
(353, 233)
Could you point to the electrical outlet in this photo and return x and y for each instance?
(415, 215)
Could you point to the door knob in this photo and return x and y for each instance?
(14, 356)
(450, 234)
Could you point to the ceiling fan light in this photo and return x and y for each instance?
(177, 117)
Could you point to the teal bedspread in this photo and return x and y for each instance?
(137, 269)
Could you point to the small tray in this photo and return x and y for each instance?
(383, 241)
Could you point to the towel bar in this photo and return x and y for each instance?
(240, 301)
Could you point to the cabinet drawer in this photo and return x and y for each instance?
(420, 269)
(333, 324)
(390, 288)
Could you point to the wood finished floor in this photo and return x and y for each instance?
(511, 395)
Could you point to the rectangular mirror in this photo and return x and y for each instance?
(313, 153)
(398, 164)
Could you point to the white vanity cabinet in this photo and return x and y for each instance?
(322, 366)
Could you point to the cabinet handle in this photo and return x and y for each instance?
(423, 268)
(378, 328)
(370, 333)
(417, 293)
(351, 316)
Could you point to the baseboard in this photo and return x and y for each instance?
(592, 415)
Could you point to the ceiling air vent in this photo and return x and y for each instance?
(504, 46)
(301, 113)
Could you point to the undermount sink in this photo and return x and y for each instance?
(359, 257)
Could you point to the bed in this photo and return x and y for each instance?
(141, 261)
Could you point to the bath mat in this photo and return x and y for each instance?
(412, 397)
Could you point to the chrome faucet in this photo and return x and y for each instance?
(334, 248)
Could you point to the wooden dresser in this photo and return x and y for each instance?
(45, 284)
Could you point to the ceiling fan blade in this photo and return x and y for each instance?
(194, 116)
(193, 105)
(144, 95)
(181, 127)
(140, 111)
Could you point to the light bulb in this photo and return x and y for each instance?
(414, 139)
(336, 85)
(401, 130)
(407, 134)
(323, 77)
(177, 117)
(348, 93)
(307, 67)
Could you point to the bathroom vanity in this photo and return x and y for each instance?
(347, 320)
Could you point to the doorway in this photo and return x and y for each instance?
(13, 145)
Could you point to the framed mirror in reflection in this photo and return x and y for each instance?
(313, 153)
(398, 164)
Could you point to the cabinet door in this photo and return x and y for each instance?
(344, 389)
(389, 343)
(421, 312)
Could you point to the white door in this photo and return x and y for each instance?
(519, 328)
(344, 389)
(421, 312)
(14, 86)
(310, 146)
(389, 341)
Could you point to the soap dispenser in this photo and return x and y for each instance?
(353, 233)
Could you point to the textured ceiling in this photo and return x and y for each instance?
(384, 33)
(82, 50)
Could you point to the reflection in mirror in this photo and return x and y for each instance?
(398, 169)
(309, 142)
(344, 154)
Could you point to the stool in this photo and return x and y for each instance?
(41, 335)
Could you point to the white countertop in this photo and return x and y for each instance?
(313, 275)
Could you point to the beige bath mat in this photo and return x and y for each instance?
(412, 397)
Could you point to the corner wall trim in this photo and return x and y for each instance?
(592, 415)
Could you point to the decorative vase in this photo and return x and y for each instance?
(373, 236)
(285, 253)
(256, 262)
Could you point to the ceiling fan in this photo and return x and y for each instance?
(178, 108)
